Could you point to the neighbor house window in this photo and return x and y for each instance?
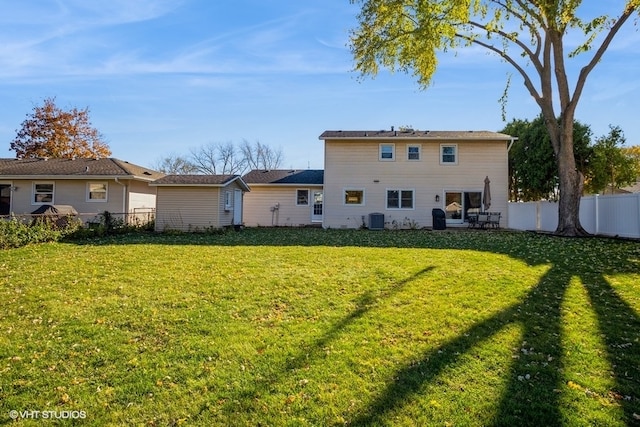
(387, 152)
(97, 191)
(302, 197)
(353, 197)
(43, 192)
(228, 201)
(449, 154)
(399, 199)
(413, 152)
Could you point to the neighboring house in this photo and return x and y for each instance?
(91, 186)
(283, 198)
(199, 202)
(633, 188)
(404, 174)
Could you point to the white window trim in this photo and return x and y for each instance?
(308, 193)
(106, 193)
(419, 147)
(33, 193)
(400, 208)
(457, 154)
(393, 152)
(344, 202)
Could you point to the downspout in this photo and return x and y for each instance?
(124, 199)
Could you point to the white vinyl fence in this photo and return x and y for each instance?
(610, 215)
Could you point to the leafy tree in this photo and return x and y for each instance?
(634, 153)
(52, 132)
(533, 174)
(610, 165)
(528, 35)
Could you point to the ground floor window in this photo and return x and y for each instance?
(228, 201)
(399, 199)
(353, 197)
(302, 197)
(97, 191)
(43, 192)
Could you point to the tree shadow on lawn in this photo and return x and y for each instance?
(535, 380)
(363, 305)
(533, 400)
(309, 353)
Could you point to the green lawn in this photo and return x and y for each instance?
(302, 327)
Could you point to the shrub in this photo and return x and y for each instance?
(15, 233)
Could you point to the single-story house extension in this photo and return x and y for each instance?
(283, 197)
(199, 202)
(396, 178)
(91, 186)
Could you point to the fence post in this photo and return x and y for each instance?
(537, 215)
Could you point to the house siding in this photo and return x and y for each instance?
(187, 208)
(141, 196)
(355, 164)
(259, 202)
(193, 208)
(68, 192)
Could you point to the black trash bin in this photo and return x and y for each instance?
(439, 219)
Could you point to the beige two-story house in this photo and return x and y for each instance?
(398, 177)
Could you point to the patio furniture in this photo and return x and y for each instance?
(484, 220)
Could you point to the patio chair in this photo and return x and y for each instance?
(494, 219)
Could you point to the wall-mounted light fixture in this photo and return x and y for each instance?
(13, 188)
(437, 198)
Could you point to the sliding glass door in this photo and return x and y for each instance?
(459, 204)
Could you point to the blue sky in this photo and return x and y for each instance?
(164, 76)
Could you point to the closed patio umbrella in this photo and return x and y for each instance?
(486, 194)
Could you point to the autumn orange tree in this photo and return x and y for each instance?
(50, 131)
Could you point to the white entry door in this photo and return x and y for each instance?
(316, 206)
(237, 207)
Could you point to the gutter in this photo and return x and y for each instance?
(513, 140)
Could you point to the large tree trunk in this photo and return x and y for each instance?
(571, 185)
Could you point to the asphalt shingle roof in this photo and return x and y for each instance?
(195, 179)
(285, 176)
(413, 134)
(75, 167)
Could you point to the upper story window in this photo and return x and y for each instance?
(387, 152)
(413, 152)
(43, 193)
(302, 197)
(97, 191)
(353, 197)
(449, 154)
